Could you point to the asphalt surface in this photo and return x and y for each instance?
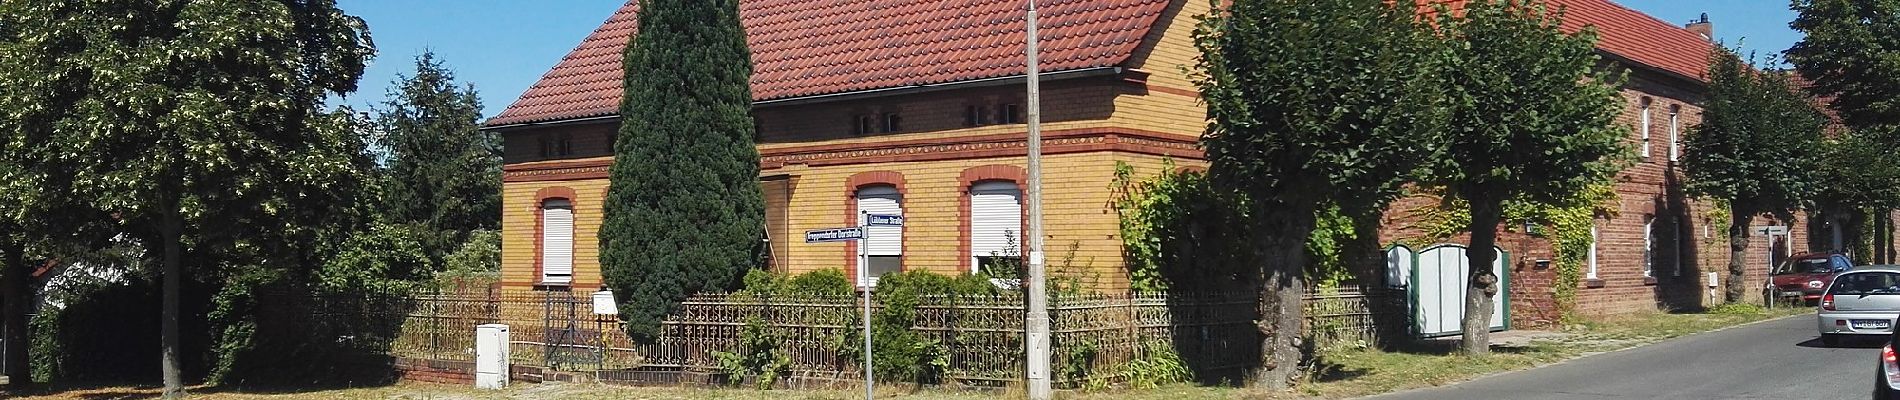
(1779, 359)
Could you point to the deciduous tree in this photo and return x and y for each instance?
(1755, 149)
(186, 120)
(1309, 101)
(1850, 54)
(1532, 120)
(684, 212)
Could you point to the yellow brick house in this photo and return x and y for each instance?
(896, 107)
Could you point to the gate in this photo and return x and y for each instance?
(568, 343)
(1440, 275)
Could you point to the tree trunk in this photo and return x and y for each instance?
(1280, 280)
(1735, 289)
(170, 230)
(1483, 284)
(16, 296)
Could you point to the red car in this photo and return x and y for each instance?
(1804, 277)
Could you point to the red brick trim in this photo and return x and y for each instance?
(970, 176)
(851, 186)
(540, 198)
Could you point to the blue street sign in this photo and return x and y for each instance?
(834, 235)
(884, 220)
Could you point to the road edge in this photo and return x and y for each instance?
(1576, 357)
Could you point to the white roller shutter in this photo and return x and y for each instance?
(883, 200)
(996, 219)
(557, 242)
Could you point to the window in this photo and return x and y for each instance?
(1649, 246)
(557, 241)
(884, 245)
(976, 116)
(893, 123)
(865, 125)
(1009, 114)
(1645, 127)
(1591, 257)
(996, 220)
(1675, 245)
(556, 146)
(1675, 131)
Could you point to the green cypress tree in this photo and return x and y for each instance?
(684, 213)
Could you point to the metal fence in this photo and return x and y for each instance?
(1095, 336)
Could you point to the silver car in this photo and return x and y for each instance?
(1862, 301)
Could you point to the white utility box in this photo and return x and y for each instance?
(491, 356)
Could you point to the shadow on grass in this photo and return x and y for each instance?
(1449, 346)
(106, 391)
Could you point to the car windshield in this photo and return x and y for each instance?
(1806, 266)
(1867, 283)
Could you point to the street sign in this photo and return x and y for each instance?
(884, 220)
(834, 235)
(1769, 230)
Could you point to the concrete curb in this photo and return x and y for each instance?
(1577, 357)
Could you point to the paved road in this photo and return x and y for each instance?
(1780, 359)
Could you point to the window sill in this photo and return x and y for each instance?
(1649, 281)
(557, 287)
(1592, 283)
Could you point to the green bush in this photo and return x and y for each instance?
(479, 256)
(898, 351)
(759, 357)
(824, 282)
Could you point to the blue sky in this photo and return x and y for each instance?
(503, 46)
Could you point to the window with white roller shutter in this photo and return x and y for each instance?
(557, 241)
(884, 248)
(996, 223)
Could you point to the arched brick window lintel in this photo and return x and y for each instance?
(541, 198)
(851, 185)
(969, 178)
(992, 172)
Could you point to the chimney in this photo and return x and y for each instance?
(1701, 26)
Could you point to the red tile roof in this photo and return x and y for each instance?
(1639, 37)
(814, 47)
(1626, 33)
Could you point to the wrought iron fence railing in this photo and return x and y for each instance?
(1095, 335)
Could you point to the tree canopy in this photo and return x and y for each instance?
(443, 173)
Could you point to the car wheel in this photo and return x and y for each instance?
(1830, 340)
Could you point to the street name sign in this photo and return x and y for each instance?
(884, 220)
(834, 235)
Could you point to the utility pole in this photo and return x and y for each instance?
(1037, 319)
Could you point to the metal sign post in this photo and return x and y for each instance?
(864, 276)
(865, 221)
(862, 236)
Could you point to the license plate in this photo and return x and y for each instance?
(1870, 324)
(1791, 293)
